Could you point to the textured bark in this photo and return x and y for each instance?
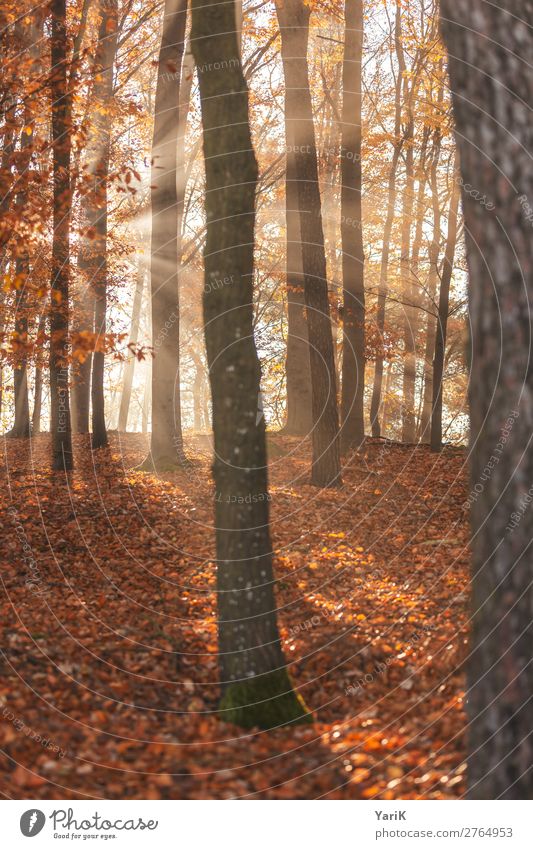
(62, 200)
(129, 366)
(293, 18)
(353, 339)
(490, 56)
(255, 685)
(442, 317)
(166, 444)
(297, 367)
(387, 232)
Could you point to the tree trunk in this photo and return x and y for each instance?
(442, 316)
(293, 18)
(353, 340)
(97, 205)
(129, 366)
(490, 72)
(387, 232)
(38, 384)
(166, 444)
(62, 198)
(434, 250)
(297, 367)
(255, 686)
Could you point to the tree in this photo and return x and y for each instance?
(490, 52)
(166, 444)
(442, 315)
(293, 18)
(96, 209)
(256, 690)
(353, 340)
(129, 366)
(387, 229)
(62, 199)
(297, 367)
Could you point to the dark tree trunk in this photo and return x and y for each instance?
(387, 232)
(62, 195)
(442, 317)
(353, 340)
(21, 426)
(166, 445)
(293, 18)
(297, 368)
(490, 57)
(256, 690)
(129, 367)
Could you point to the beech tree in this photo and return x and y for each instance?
(293, 17)
(256, 690)
(62, 200)
(353, 341)
(166, 442)
(490, 53)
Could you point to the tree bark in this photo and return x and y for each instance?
(297, 367)
(293, 18)
(490, 56)
(353, 339)
(442, 316)
(387, 232)
(62, 200)
(97, 207)
(256, 690)
(166, 444)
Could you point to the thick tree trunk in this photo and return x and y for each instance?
(387, 232)
(62, 196)
(442, 317)
(353, 340)
(255, 686)
(166, 444)
(129, 366)
(297, 367)
(490, 58)
(293, 18)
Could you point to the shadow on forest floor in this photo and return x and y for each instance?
(109, 673)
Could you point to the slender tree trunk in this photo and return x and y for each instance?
(38, 382)
(255, 686)
(387, 233)
(82, 320)
(62, 196)
(434, 250)
(97, 209)
(442, 316)
(129, 366)
(166, 445)
(353, 340)
(297, 368)
(293, 18)
(490, 57)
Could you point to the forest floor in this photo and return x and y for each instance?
(108, 684)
